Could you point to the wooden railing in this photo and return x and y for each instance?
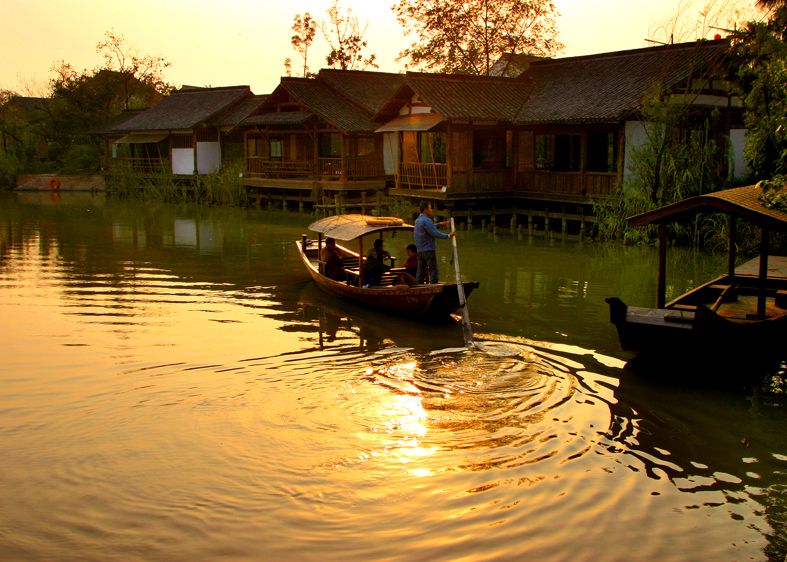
(144, 165)
(355, 168)
(256, 166)
(414, 175)
(567, 184)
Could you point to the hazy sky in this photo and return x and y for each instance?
(231, 42)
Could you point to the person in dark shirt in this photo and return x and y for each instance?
(411, 265)
(374, 267)
(333, 265)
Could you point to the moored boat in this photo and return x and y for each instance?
(397, 293)
(738, 315)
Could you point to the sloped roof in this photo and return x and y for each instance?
(368, 90)
(187, 108)
(279, 118)
(28, 103)
(235, 114)
(320, 99)
(115, 126)
(459, 96)
(606, 87)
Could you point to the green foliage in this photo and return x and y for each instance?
(679, 160)
(57, 133)
(222, 188)
(469, 37)
(774, 192)
(611, 215)
(760, 63)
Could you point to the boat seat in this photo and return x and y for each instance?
(389, 279)
(684, 307)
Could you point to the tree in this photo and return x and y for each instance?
(760, 62)
(303, 29)
(345, 39)
(141, 77)
(691, 22)
(469, 37)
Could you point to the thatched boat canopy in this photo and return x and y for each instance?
(350, 227)
(740, 202)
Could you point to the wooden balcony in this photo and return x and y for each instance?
(415, 175)
(143, 165)
(262, 167)
(568, 185)
(356, 168)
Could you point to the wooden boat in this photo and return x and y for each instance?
(398, 293)
(742, 313)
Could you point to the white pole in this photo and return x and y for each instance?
(460, 289)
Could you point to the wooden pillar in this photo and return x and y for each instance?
(449, 149)
(762, 293)
(661, 288)
(733, 225)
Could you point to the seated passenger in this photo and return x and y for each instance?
(374, 267)
(333, 266)
(411, 265)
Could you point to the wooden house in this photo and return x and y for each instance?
(314, 137)
(581, 118)
(186, 133)
(452, 136)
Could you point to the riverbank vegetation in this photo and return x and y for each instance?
(677, 160)
(221, 188)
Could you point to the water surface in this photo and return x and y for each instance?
(174, 388)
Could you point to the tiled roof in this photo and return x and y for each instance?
(238, 112)
(368, 90)
(607, 87)
(457, 96)
(279, 118)
(186, 108)
(318, 98)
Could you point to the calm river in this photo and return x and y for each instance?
(174, 388)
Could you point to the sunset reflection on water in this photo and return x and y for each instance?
(173, 388)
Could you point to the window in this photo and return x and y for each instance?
(432, 147)
(559, 153)
(365, 146)
(275, 149)
(602, 151)
(490, 149)
(330, 145)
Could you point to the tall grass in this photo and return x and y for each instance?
(222, 188)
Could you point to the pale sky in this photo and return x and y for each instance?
(234, 42)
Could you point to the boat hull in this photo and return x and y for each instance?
(424, 302)
(662, 333)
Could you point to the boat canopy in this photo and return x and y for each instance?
(742, 202)
(350, 227)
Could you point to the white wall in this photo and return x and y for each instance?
(183, 161)
(208, 157)
(738, 166)
(390, 152)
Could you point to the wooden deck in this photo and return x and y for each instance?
(777, 267)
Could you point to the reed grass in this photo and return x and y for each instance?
(222, 188)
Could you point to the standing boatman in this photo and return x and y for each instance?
(425, 235)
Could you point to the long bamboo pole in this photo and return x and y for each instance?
(460, 289)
